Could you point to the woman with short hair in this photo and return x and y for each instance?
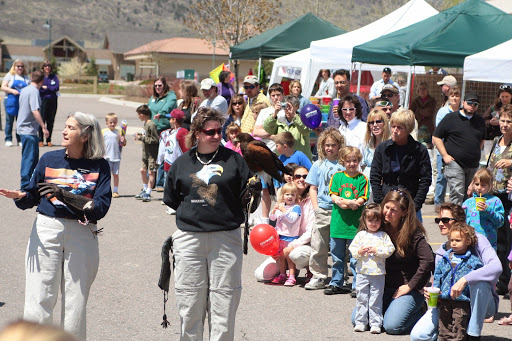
(71, 189)
(224, 87)
(352, 127)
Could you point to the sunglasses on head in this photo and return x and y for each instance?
(212, 132)
(473, 103)
(348, 109)
(505, 86)
(249, 87)
(375, 122)
(383, 104)
(298, 176)
(388, 95)
(445, 220)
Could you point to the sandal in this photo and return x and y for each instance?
(505, 321)
(290, 282)
(279, 279)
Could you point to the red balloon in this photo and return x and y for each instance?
(264, 239)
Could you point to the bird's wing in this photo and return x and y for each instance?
(263, 159)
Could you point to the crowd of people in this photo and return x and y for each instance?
(357, 194)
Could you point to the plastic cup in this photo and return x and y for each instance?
(434, 295)
(336, 101)
(477, 200)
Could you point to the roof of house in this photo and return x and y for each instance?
(179, 46)
(121, 42)
(24, 52)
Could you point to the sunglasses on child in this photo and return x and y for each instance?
(445, 220)
(212, 132)
(298, 176)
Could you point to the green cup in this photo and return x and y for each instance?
(434, 295)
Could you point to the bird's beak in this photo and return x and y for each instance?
(236, 139)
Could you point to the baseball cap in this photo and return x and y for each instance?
(448, 80)
(177, 114)
(471, 96)
(389, 87)
(386, 70)
(207, 83)
(251, 79)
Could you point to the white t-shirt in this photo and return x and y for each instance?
(262, 116)
(111, 139)
(326, 88)
(10, 79)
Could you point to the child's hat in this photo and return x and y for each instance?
(177, 114)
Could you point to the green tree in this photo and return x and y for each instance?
(230, 22)
(92, 68)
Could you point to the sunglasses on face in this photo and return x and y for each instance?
(445, 220)
(473, 103)
(21, 66)
(298, 176)
(505, 86)
(375, 122)
(238, 103)
(348, 109)
(47, 65)
(158, 85)
(249, 87)
(212, 132)
(341, 82)
(388, 95)
(383, 104)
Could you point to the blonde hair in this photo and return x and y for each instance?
(289, 187)
(292, 83)
(371, 211)
(333, 134)
(409, 223)
(110, 116)
(233, 127)
(369, 138)
(403, 117)
(12, 71)
(484, 175)
(348, 151)
(31, 331)
(94, 146)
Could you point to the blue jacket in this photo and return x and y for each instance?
(485, 222)
(445, 276)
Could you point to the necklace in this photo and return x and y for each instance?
(209, 161)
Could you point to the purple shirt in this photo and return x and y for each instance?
(52, 86)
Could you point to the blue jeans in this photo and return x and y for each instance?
(338, 247)
(400, 314)
(29, 158)
(419, 216)
(160, 176)
(482, 306)
(9, 124)
(440, 191)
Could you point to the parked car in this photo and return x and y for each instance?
(103, 77)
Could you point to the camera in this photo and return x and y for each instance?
(283, 105)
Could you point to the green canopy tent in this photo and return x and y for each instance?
(444, 39)
(284, 39)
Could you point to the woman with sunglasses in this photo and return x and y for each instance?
(377, 131)
(204, 187)
(482, 282)
(299, 250)
(409, 267)
(491, 116)
(190, 103)
(48, 94)
(15, 80)
(235, 112)
(401, 162)
(352, 128)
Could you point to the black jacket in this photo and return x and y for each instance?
(415, 173)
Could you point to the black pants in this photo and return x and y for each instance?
(504, 242)
(48, 111)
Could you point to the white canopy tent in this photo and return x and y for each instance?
(492, 65)
(336, 52)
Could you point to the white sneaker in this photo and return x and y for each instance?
(20, 144)
(359, 328)
(315, 284)
(170, 211)
(375, 330)
(8, 143)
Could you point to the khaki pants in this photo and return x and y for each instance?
(320, 237)
(60, 253)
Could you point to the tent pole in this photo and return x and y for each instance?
(359, 79)
(259, 70)
(406, 103)
(463, 89)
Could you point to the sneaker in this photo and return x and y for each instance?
(170, 211)
(309, 275)
(359, 328)
(334, 290)
(375, 330)
(353, 293)
(429, 201)
(8, 143)
(315, 284)
(139, 196)
(281, 279)
(290, 282)
(20, 144)
(146, 197)
(115, 195)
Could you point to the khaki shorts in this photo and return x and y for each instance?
(149, 164)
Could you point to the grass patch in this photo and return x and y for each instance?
(103, 89)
